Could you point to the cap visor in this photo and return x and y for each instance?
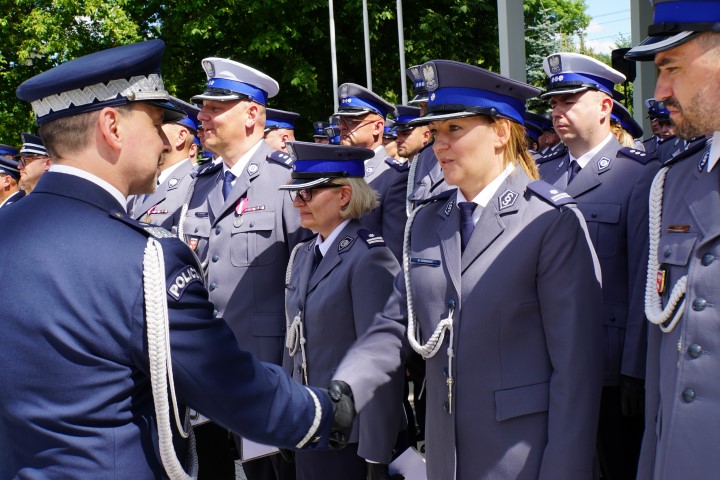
(432, 117)
(650, 46)
(352, 113)
(301, 183)
(171, 113)
(217, 97)
(562, 91)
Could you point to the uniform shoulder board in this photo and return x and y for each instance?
(550, 193)
(209, 169)
(692, 149)
(440, 197)
(397, 164)
(552, 155)
(281, 157)
(146, 228)
(372, 239)
(637, 155)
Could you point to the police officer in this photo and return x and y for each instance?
(362, 116)
(513, 361)
(625, 128)
(338, 281)
(425, 178)
(159, 207)
(9, 176)
(682, 397)
(611, 188)
(319, 135)
(280, 128)
(390, 140)
(33, 161)
(411, 139)
(95, 373)
(241, 226)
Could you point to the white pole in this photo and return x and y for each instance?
(333, 55)
(367, 45)
(401, 45)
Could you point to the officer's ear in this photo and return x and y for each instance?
(426, 136)
(345, 195)
(108, 124)
(253, 114)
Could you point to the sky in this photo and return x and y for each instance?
(610, 19)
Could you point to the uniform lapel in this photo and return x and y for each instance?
(333, 258)
(153, 199)
(449, 235)
(558, 175)
(704, 203)
(304, 265)
(373, 166)
(591, 175)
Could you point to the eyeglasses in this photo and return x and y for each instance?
(353, 123)
(306, 194)
(23, 162)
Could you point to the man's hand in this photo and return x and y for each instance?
(344, 413)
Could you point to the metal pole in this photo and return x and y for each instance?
(333, 55)
(366, 28)
(511, 30)
(401, 45)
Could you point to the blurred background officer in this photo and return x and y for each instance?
(683, 397)
(625, 128)
(362, 121)
(425, 177)
(160, 206)
(86, 370)
(243, 229)
(9, 176)
(319, 135)
(338, 281)
(611, 189)
(660, 125)
(280, 128)
(513, 361)
(33, 161)
(390, 140)
(410, 138)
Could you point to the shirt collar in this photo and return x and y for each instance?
(239, 166)
(714, 151)
(325, 244)
(585, 159)
(94, 179)
(165, 174)
(487, 193)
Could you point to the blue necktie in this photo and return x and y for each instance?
(466, 222)
(227, 183)
(573, 170)
(317, 258)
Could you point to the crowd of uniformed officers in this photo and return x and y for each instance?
(504, 269)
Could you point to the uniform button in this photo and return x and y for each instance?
(593, 215)
(215, 313)
(446, 407)
(688, 395)
(699, 304)
(451, 303)
(213, 286)
(707, 259)
(612, 318)
(218, 230)
(667, 252)
(215, 258)
(695, 350)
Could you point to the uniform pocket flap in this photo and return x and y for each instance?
(267, 325)
(600, 212)
(255, 221)
(675, 248)
(515, 402)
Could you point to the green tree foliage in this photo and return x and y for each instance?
(288, 40)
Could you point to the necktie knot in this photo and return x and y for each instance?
(573, 169)
(466, 222)
(227, 183)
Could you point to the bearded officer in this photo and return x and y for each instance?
(94, 374)
(611, 188)
(241, 226)
(682, 431)
(174, 180)
(362, 116)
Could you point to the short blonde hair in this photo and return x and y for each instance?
(362, 200)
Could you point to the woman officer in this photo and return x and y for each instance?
(500, 289)
(336, 283)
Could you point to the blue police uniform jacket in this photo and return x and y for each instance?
(76, 400)
(19, 195)
(526, 336)
(612, 191)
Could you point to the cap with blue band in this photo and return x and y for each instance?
(315, 164)
(280, 119)
(570, 73)
(420, 93)
(357, 100)
(229, 80)
(622, 116)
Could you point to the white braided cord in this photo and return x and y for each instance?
(158, 336)
(653, 303)
(411, 185)
(294, 331)
(184, 209)
(140, 87)
(316, 420)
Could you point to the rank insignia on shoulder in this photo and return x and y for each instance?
(397, 164)
(158, 232)
(179, 283)
(372, 239)
(703, 161)
(507, 199)
(345, 243)
(282, 158)
(209, 169)
(637, 155)
(550, 193)
(603, 164)
(449, 206)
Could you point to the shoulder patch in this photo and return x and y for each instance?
(177, 284)
(372, 239)
(282, 158)
(209, 169)
(552, 155)
(397, 164)
(550, 193)
(637, 155)
(345, 244)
